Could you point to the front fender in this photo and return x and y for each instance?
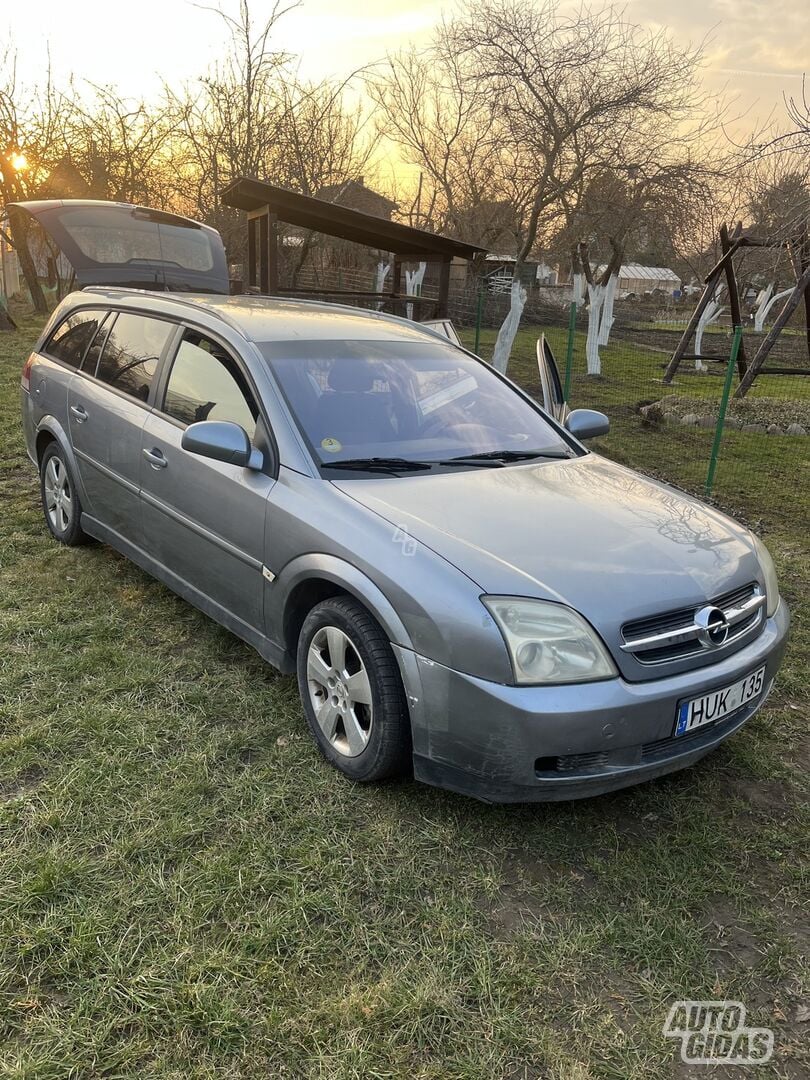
(322, 567)
(314, 566)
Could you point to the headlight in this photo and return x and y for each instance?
(769, 573)
(549, 643)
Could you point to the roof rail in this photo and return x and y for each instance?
(176, 298)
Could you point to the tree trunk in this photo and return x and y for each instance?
(509, 326)
(596, 296)
(379, 281)
(578, 295)
(784, 315)
(710, 314)
(765, 307)
(19, 236)
(413, 281)
(7, 324)
(606, 321)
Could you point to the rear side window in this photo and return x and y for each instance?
(70, 339)
(205, 383)
(131, 352)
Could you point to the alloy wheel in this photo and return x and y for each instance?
(339, 690)
(58, 495)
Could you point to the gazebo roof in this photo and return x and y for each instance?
(341, 221)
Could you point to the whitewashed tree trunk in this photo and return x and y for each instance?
(710, 314)
(606, 320)
(596, 297)
(509, 326)
(765, 306)
(579, 290)
(379, 284)
(760, 305)
(413, 281)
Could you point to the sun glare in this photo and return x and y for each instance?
(18, 161)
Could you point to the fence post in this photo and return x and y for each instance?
(478, 314)
(569, 351)
(721, 415)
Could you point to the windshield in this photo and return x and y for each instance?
(418, 401)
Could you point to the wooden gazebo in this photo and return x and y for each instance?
(268, 205)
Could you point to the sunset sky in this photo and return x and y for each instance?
(757, 50)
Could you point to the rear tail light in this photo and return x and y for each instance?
(26, 372)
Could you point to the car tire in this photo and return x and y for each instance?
(60, 499)
(352, 692)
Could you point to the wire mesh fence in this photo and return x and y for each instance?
(670, 429)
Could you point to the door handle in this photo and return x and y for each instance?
(155, 458)
(79, 412)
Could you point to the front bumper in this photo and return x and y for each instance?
(530, 743)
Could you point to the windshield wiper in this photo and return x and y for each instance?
(501, 457)
(382, 464)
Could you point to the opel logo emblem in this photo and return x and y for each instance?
(712, 627)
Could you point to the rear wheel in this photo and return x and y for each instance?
(60, 500)
(352, 692)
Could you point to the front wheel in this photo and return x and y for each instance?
(352, 692)
(60, 499)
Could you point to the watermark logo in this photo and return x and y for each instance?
(403, 537)
(715, 1032)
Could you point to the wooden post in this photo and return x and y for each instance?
(804, 262)
(791, 304)
(396, 282)
(251, 252)
(264, 254)
(271, 232)
(733, 294)
(444, 288)
(268, 253)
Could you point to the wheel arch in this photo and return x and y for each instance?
(50, 430)
(312, 578)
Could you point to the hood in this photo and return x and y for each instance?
(586, 532)
(119, 244)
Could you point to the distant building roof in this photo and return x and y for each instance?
(355, 194)
(646, 273)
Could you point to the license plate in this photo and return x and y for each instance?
(719, 703)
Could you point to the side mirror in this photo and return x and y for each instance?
(222, 440)
(587, 424)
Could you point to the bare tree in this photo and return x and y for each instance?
(122, 147)
(567, 90)
(442, 120)
(27, 127)
(636, 207)
(252, 116)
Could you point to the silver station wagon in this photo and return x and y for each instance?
(463, 589)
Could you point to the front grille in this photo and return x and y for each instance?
(678, 633)
(572, 763)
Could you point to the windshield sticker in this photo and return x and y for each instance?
(331, 446)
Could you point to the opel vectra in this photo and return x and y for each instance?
(462, 587)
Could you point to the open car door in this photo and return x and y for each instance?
(110, 243)
(553, 398)
(445, 327)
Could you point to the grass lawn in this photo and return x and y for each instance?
(763, 478)
(187, 890)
